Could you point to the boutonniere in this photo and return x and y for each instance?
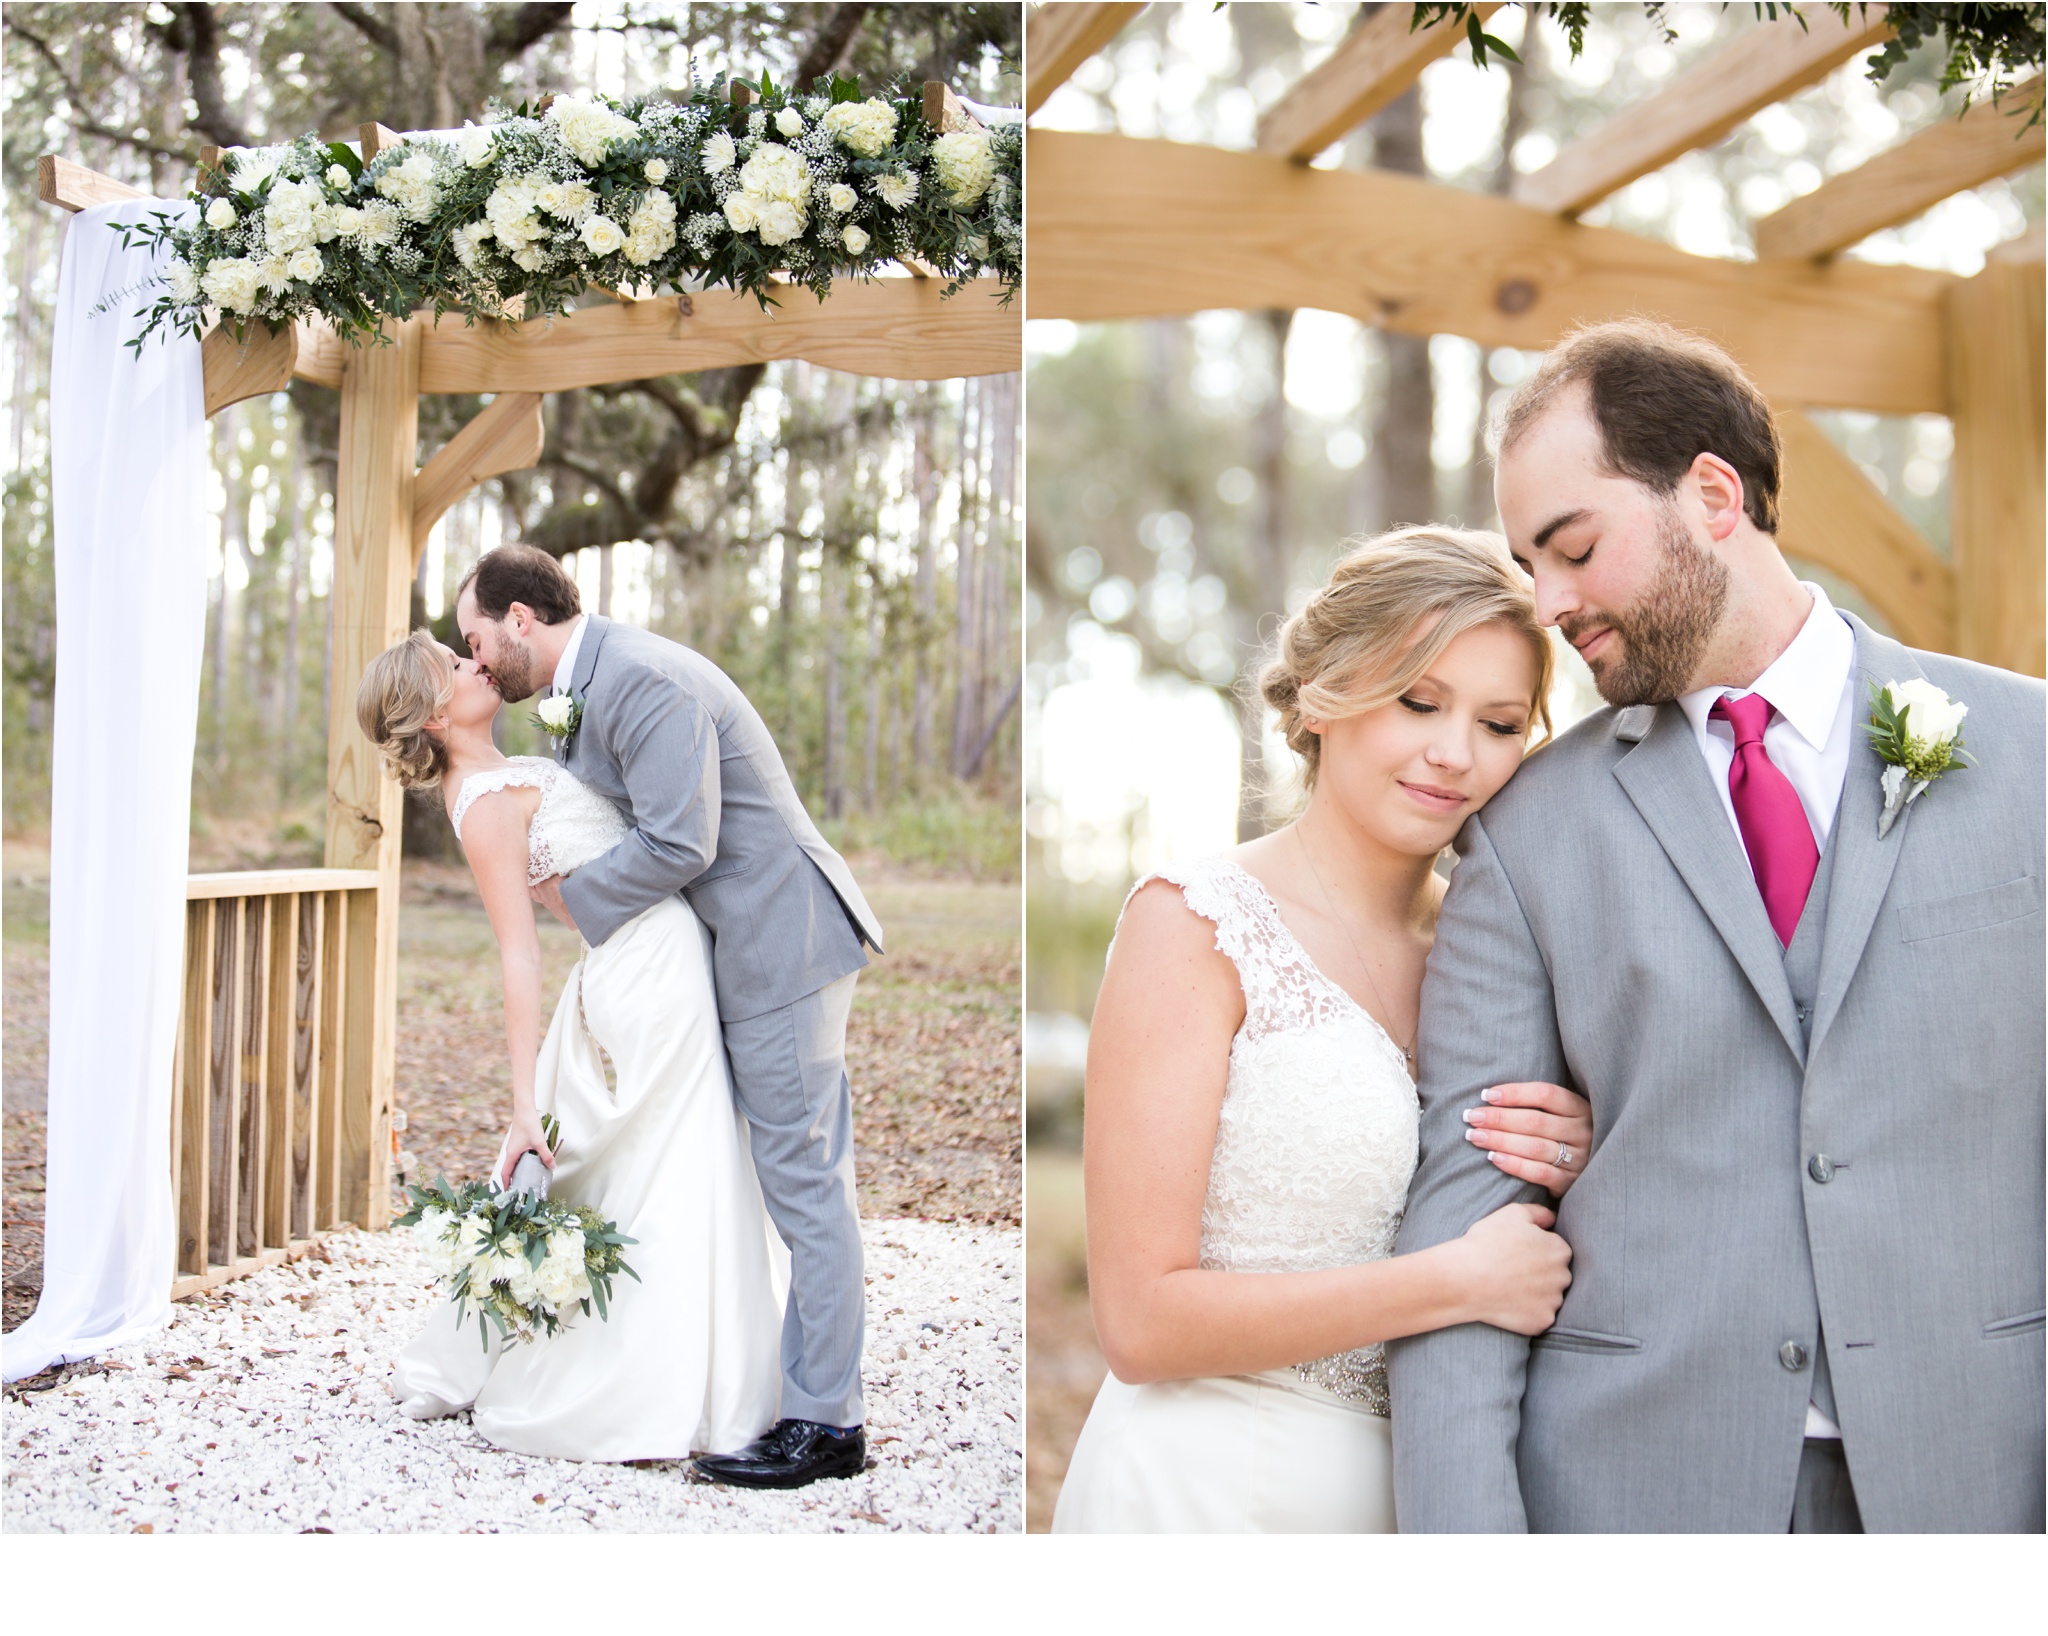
(1918, 731)
(559, 716)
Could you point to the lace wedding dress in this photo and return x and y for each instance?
(689, 1361)
(1314, 1149)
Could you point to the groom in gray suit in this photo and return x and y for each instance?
(1807, 1244)
(665, 735)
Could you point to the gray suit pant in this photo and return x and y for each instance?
(1825, 1500)
(789, 1075)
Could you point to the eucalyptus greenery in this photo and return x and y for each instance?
(519, 216)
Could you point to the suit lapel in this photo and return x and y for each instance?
(1667, 779)
(579, 679)
(1863, 864)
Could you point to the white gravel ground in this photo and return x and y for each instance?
(267, 1409)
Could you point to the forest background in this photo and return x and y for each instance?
(847, 548)
(1190, 480)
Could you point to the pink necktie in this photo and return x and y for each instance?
(1775, 832)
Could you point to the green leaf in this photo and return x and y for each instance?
(346, 157)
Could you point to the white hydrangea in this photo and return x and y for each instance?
(564, 1280)
(474, 145)
(327, 220)
(964, 163)
(412, 184)
(288, 224)
(532, 258)
(307, 265)
(656, 171)
(841, 198)
(183, 282)
(221, 215)
(232, 282)
(601, 236)
(588, 129)
(719, 153)
(572, 201)
(854, 239)
(777, 183)
(512, 210)
(896, 190)
(865, 128)
(651, 231)
(789, 122)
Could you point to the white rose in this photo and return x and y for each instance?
(338, 178)
(854, 239)
(789, 122)
(183, 282)
(555, 712)
(841, 198)
(307, 266)
(740, 214)
(602, 236)
(964, 164)
(529, 259)
(866, 128)
(288, 223)
(719, 153)
(474, 144)
(221, 215)
(1932, 717)
(656, 171)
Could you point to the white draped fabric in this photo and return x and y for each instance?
(129, 493)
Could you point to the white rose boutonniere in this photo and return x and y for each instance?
(559, 716)
(1917, 730)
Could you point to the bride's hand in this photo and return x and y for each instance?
(525, 1136)
(1516, 1269)
(1535, 1132)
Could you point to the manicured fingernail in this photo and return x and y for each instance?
(1471, 1135)
(1489, 1095)
(1470, 1116)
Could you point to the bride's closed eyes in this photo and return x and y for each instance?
(1500, 729)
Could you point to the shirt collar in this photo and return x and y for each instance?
(565, 667)
(1804, 683)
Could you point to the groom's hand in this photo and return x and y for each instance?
(548, 894)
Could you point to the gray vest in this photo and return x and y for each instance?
(1802, 972)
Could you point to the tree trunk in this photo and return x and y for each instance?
(1001, 553)
(604, 579)
(1403, 470)
(966, 574)
(925, 589)
(832, 575)
(872, 706)
(1478, 508)
(1272, 561)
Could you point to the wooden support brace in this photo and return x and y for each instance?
(506, 435)
(1984, 143)
(1702, 105)
(255, 367)
(1127, 228)
(1373, 65)
(1059, 38)
(1832, 515)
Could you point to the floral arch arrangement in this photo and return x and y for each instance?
(520, 216)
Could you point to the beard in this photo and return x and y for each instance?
(514, 670)
(1663, 635)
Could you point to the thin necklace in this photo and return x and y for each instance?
(1386, 1027)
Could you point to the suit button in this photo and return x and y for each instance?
(1821, 1168)
(1793, 1356)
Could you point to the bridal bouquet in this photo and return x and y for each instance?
(518, 1259)
(521, 215)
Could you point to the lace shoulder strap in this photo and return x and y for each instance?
(527, 771)
(1249, 931)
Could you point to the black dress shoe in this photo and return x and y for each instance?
(796, 1452)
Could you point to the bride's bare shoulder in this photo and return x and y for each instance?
(1162, 932)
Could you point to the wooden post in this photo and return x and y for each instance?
(1995, 332)
(371, 606)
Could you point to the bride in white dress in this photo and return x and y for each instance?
(633, 1067)
(1251, 1108)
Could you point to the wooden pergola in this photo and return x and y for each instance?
(282, 1121)
(1126, 228)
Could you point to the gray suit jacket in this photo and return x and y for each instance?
(1602, 930)
(667, 736)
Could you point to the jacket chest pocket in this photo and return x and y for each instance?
(1971, 955)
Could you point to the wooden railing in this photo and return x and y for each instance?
(271, 1116)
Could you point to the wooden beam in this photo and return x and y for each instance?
(505, 435)
(1997, 479)
(250, 883)
(894, 327)
(1059, 38)
(1372, 65)
(322, 352)
(373, 507)
(1832, 515)
(2030, 249)
(375, 138)
(1127, 228)
(1897, 185)
(252, 368)
(1763, 65)
(74, 187)
(944, 112)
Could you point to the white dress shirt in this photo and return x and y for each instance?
(1810, 685)
(565, 667)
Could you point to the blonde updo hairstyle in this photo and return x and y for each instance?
(1391, 607)
(404, 688)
